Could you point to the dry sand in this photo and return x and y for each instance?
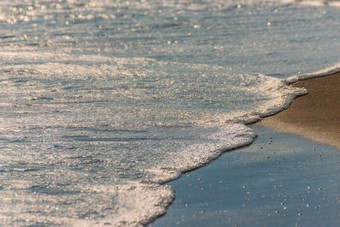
(316, 115)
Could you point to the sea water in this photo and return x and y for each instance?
(103, 101)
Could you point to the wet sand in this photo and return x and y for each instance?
(282, 179)
(316, 115)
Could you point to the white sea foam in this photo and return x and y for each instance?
(59, 113)
(332, 3)
(320, 73)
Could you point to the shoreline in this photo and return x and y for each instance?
(315, 116)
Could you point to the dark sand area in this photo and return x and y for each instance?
(282, 179)
(316, 115)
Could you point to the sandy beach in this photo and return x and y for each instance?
(316, 115)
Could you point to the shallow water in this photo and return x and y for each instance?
(102, 100)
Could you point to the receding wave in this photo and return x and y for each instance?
(133, 149)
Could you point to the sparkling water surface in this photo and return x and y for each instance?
(102, 100)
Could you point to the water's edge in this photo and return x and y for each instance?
(321, 73)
